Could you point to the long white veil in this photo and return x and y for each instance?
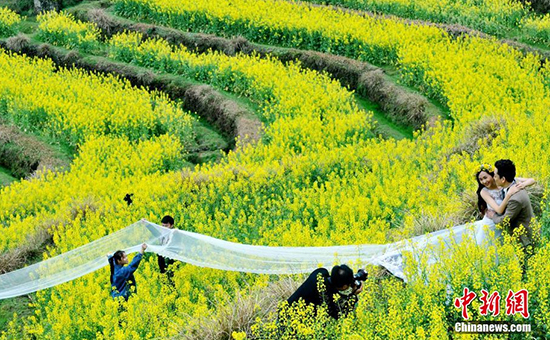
(205, 251)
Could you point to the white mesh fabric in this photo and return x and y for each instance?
(205, 251)
(431, 246)
(77, 262)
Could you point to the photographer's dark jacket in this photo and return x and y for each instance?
(309, 292)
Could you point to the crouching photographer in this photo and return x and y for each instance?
(338, 291)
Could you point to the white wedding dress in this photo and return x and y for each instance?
(433, 244)
(430, 245)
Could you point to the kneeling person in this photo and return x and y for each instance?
(320, 288)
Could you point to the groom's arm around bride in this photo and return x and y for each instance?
(519, 210)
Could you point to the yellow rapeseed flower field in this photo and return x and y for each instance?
(8, 21)
(318, 177)
(490, 16)
(73, 104)
(62, 29)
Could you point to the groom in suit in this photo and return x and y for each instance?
(519, 210)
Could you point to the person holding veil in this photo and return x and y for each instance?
(122, 276)
(164, 262)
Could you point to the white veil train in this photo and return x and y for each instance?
(205, 251)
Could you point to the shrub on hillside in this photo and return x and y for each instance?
(61, 29)
(8, 22)
(541, 6)
(19, 6)
(243, 310)
(103, 21)
(18, 43)
(401, 106)
(25, 154)
(479, 134)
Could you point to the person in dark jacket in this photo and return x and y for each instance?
(339, 284)
(163, 262)
(122, 277)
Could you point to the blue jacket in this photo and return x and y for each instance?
(123, 277)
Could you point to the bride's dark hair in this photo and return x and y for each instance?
(481, 204)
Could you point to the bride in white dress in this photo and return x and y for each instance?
(491, 201)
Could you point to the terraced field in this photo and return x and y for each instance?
(267, 122)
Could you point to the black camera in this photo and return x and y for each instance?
(360, 276)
